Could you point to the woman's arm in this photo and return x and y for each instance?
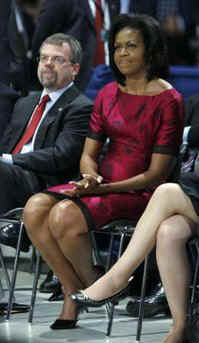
(160, 167)
(158, 170)
(88, 168)
(89, 158)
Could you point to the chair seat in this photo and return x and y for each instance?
(15, 214)
(118, 226)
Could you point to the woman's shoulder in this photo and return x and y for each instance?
(157, 86)
(162, 88)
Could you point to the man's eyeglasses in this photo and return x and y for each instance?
(59, 60)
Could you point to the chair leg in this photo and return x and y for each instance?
(14, 274)
(141, 305)
(110, 307)
(110, 250)
(7, 277)
(35, 284)
(194, 282)
(32, 259)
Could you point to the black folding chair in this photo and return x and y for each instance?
(118, 232)
(193, 249)
(12, 217)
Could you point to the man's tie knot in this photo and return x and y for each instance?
(45, 99)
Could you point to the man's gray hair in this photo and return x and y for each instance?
(60, 38)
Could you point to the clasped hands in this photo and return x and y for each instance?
(86, 186)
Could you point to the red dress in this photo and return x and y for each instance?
(137, 126)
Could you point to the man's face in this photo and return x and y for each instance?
(55, 69)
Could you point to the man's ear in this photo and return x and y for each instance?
(76, 68)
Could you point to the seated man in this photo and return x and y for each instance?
(44, 140)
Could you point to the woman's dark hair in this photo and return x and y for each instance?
(156, 56)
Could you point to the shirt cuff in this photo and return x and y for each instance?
(185, 134)
(7, 158)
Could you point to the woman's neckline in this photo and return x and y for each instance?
(144, 95)
(152, 88)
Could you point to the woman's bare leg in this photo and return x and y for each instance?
(41, 218)
(174, 269)
(69, 229)
(166, 201)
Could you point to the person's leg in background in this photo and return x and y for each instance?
(17, 185)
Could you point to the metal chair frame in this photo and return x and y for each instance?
(5, 271)
(123, 229)
(193, 247)
(12, 217)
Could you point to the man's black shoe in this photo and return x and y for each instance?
(58, 295)
(154, 304)
(16, 308)
(9, 235)
(50, 284)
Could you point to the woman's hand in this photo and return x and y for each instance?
(87, 185)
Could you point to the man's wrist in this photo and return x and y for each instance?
(185, 134)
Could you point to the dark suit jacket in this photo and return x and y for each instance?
(8, 97)
(192, 119)
(18, 42)
(144, 6)
(5, 53)
(59, 140)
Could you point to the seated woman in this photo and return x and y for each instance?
(142, 115)
(168, 222)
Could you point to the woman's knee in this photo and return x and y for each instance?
(65, 219)
(167, 190)
(35, 207)
(173, 231)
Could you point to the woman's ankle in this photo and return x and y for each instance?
(176, 335)
(69, 309)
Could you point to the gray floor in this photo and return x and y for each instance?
(91, 326)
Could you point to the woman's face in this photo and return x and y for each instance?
(129, 52)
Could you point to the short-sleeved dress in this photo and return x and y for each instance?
(137, 126)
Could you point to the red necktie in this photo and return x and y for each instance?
(30, 129)
(99, 20)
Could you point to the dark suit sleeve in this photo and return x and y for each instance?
(8, 97)
(192, 119)
(69, 129)
(56, 16)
